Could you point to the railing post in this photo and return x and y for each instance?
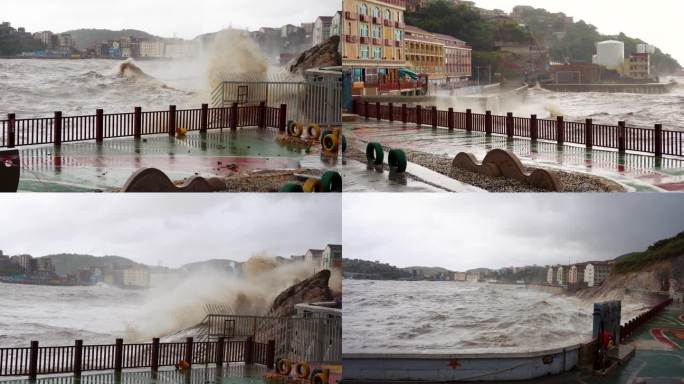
(33, 361)
(262, 115)
(220, 348)
(78, 358)
(622, 132)
(404, 114)
(355, 107)
(57, 126)
(469, 120)
(137, 122)
(154, 360)
(378, 111)
(419, 115)
(658, 138)
(534, 128)
(488, 123)
(172, 120)
(270, 354)
(450, 119)
(249, 351)
(11, 137)
(118, 355)
(589, 133)
(99, 125)
(434, 117)
(282, 123)
(560, 130)
(366, 110)
(188, 351)
(391, 112)
(509, 125)
(204, 123)
(234, 116)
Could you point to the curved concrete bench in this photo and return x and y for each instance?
(154, 180)
(502, 163)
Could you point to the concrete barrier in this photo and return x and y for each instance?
(153, 180)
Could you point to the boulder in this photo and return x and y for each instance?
(322, 55)
(312, 290)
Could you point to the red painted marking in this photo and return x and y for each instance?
(673, 187)
(659, 334)
(454, 364)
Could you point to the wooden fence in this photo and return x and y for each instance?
(78, 358)
(631, 326)
(61, 129)
(655, 141)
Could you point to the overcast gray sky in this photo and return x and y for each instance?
(468, 231)
(174, 229)
(167, 18)
(658, 22)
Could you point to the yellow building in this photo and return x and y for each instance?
(425, 53)
(638, 66)
(373, 43)
(458, 58)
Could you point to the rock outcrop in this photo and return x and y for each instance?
(312, 290)
(323, 55)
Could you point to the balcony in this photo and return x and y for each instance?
(376, 20)
(376, 41)
(363, 18)
(350, 15)
(387, 23)
(350, 39)
(364, 40)
(397, 43)
(398, 25)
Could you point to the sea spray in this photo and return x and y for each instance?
(179, 305)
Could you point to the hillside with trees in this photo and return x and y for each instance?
(662, 250)
(383, 271)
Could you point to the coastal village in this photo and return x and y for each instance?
(124, 273)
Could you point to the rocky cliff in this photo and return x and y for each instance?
(323, 55)
(312, 290)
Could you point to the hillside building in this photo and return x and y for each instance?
(332, 257)
(322, 29)
(562, 274)
(425, 54)
(596, 273)
(576, 275)
(551, 277)
(460, 276)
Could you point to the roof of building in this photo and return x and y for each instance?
(316, 252)
(335, 247)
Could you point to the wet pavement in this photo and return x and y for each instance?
(636, 172)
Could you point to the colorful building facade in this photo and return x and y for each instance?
(425, 53)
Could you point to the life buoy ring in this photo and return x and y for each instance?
(319, 376)
(297, 130)
(283, 367)
(324, 134)
(331, 181)
(375, 154)
(397, 160)
(330, 143)
(313, 131)
(302, 370)
(312, 186)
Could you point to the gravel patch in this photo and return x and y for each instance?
(266, 181)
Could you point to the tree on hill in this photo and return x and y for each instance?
(662, 250)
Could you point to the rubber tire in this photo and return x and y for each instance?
(297, 130)
(397, 160)
(292, 188)
(325, 133)
(287, 363)
(316, 129)
(312, 186)
(330, 143)
(375, 154)
(331, 181)
(314, 373)
(344, 144)
(306, 371)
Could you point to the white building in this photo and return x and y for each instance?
(135, 278)
(562, 275)
(321, 32)
(332, 257)
(460, 276)
(551, 276)
(64, 40)
(596, 273)
(152, 48)
(474, 277)
(45, 37)
(576, 275)
(314, 256)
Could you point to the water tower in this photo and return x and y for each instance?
(610, 54)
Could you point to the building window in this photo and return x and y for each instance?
(376, 31)
(363, 30)
(377, 53)
(388, 14)
(376, 12)
(397, 34)
(363, 9)
(364, 52)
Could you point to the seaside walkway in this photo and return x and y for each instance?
(636, 172)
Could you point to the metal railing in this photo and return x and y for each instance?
(655, 141)
(631, 326)
(78, 358)
(61, 129)
(317, 102)
(299, 339)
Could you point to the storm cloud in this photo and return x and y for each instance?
(171, 230)
(462, 232)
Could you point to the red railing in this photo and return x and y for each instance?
(656, 141)
(36, 360)
(631, 326)
(61, 129)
